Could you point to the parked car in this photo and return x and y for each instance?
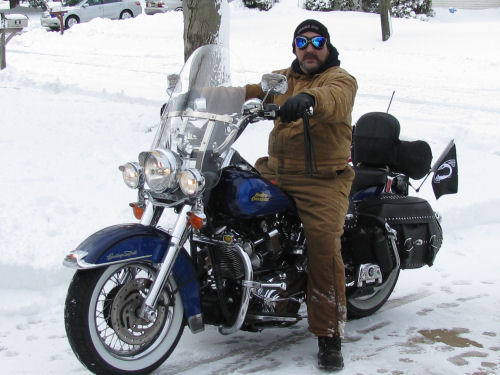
(162, 6)
(260, 4)
(84, 10)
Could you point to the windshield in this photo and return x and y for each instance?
(200, 122)
(71, 3)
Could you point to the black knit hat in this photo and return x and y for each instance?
(311, 25)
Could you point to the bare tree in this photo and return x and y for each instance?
(13, 3)
(202, 19)
(385, 19)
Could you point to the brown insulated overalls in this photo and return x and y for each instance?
(322, 200)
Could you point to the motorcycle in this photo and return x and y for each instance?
(236, 255)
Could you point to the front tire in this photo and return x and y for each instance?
(102, 325)
(126, 14)
(71, 21)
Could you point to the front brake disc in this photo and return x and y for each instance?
(127, 303)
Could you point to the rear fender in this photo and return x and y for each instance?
(136, 242)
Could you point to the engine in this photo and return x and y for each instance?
(276, 248)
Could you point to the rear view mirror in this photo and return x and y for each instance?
(273, 83)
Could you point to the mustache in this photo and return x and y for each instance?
(310, 55)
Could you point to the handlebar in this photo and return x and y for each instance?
(271, 112)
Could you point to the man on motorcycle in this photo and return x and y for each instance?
(315, 80)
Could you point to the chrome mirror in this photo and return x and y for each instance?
(273, 83)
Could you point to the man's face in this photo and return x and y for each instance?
(311, 59)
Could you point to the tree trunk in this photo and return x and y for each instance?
(13, 3)
(3, 64)
(385, 19)
(202, 20)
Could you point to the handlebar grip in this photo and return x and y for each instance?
(271, 111)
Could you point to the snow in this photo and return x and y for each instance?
(76, 106)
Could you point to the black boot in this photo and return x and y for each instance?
(329, 355)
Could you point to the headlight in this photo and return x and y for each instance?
(160, 168)
(191, 181)
(131, 173)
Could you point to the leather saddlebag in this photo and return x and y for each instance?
(419, 234)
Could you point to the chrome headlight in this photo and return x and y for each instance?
(160, 168)
(191, 181)
(131, 173)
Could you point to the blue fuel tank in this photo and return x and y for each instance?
(245, 194)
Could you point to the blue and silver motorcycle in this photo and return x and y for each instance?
(217, 244)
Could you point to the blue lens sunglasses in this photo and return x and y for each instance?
(317, 42)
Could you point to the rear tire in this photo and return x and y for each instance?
(360, 306)
(102, 325)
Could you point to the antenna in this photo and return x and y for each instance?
(390, 102)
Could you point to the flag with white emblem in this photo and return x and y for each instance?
(445, 179)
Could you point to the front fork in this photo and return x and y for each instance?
(179, 235)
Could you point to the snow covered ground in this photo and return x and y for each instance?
(74, 107)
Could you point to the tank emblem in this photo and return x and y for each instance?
(261, 197)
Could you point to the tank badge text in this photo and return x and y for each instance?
(261, 197)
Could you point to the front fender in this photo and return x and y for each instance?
(136, 242)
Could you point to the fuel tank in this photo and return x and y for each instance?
(245, 194)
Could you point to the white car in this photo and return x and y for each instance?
(162, 6)
(84, 10)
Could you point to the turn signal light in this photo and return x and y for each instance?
(196, 221)
(138, 211)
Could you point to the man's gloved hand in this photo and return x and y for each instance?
(293, 108)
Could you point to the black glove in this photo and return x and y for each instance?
(293, 108)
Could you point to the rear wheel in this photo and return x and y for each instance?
(103, 327)
(364, 302)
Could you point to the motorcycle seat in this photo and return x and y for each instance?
(366, 177)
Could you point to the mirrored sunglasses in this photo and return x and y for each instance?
(317, 42)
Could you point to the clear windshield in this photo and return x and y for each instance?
(71, 3)
(199, 123)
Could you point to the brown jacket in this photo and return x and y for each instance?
(334, 91)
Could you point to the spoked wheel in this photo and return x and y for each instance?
(103, 326)
(361, 303)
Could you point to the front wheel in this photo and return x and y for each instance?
(361, 303)
(126, 14)
(71, 21)
(102, 325)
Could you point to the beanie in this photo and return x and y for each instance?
(311, 25)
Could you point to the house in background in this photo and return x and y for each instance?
(466, 4)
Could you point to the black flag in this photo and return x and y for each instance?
(445, 180)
